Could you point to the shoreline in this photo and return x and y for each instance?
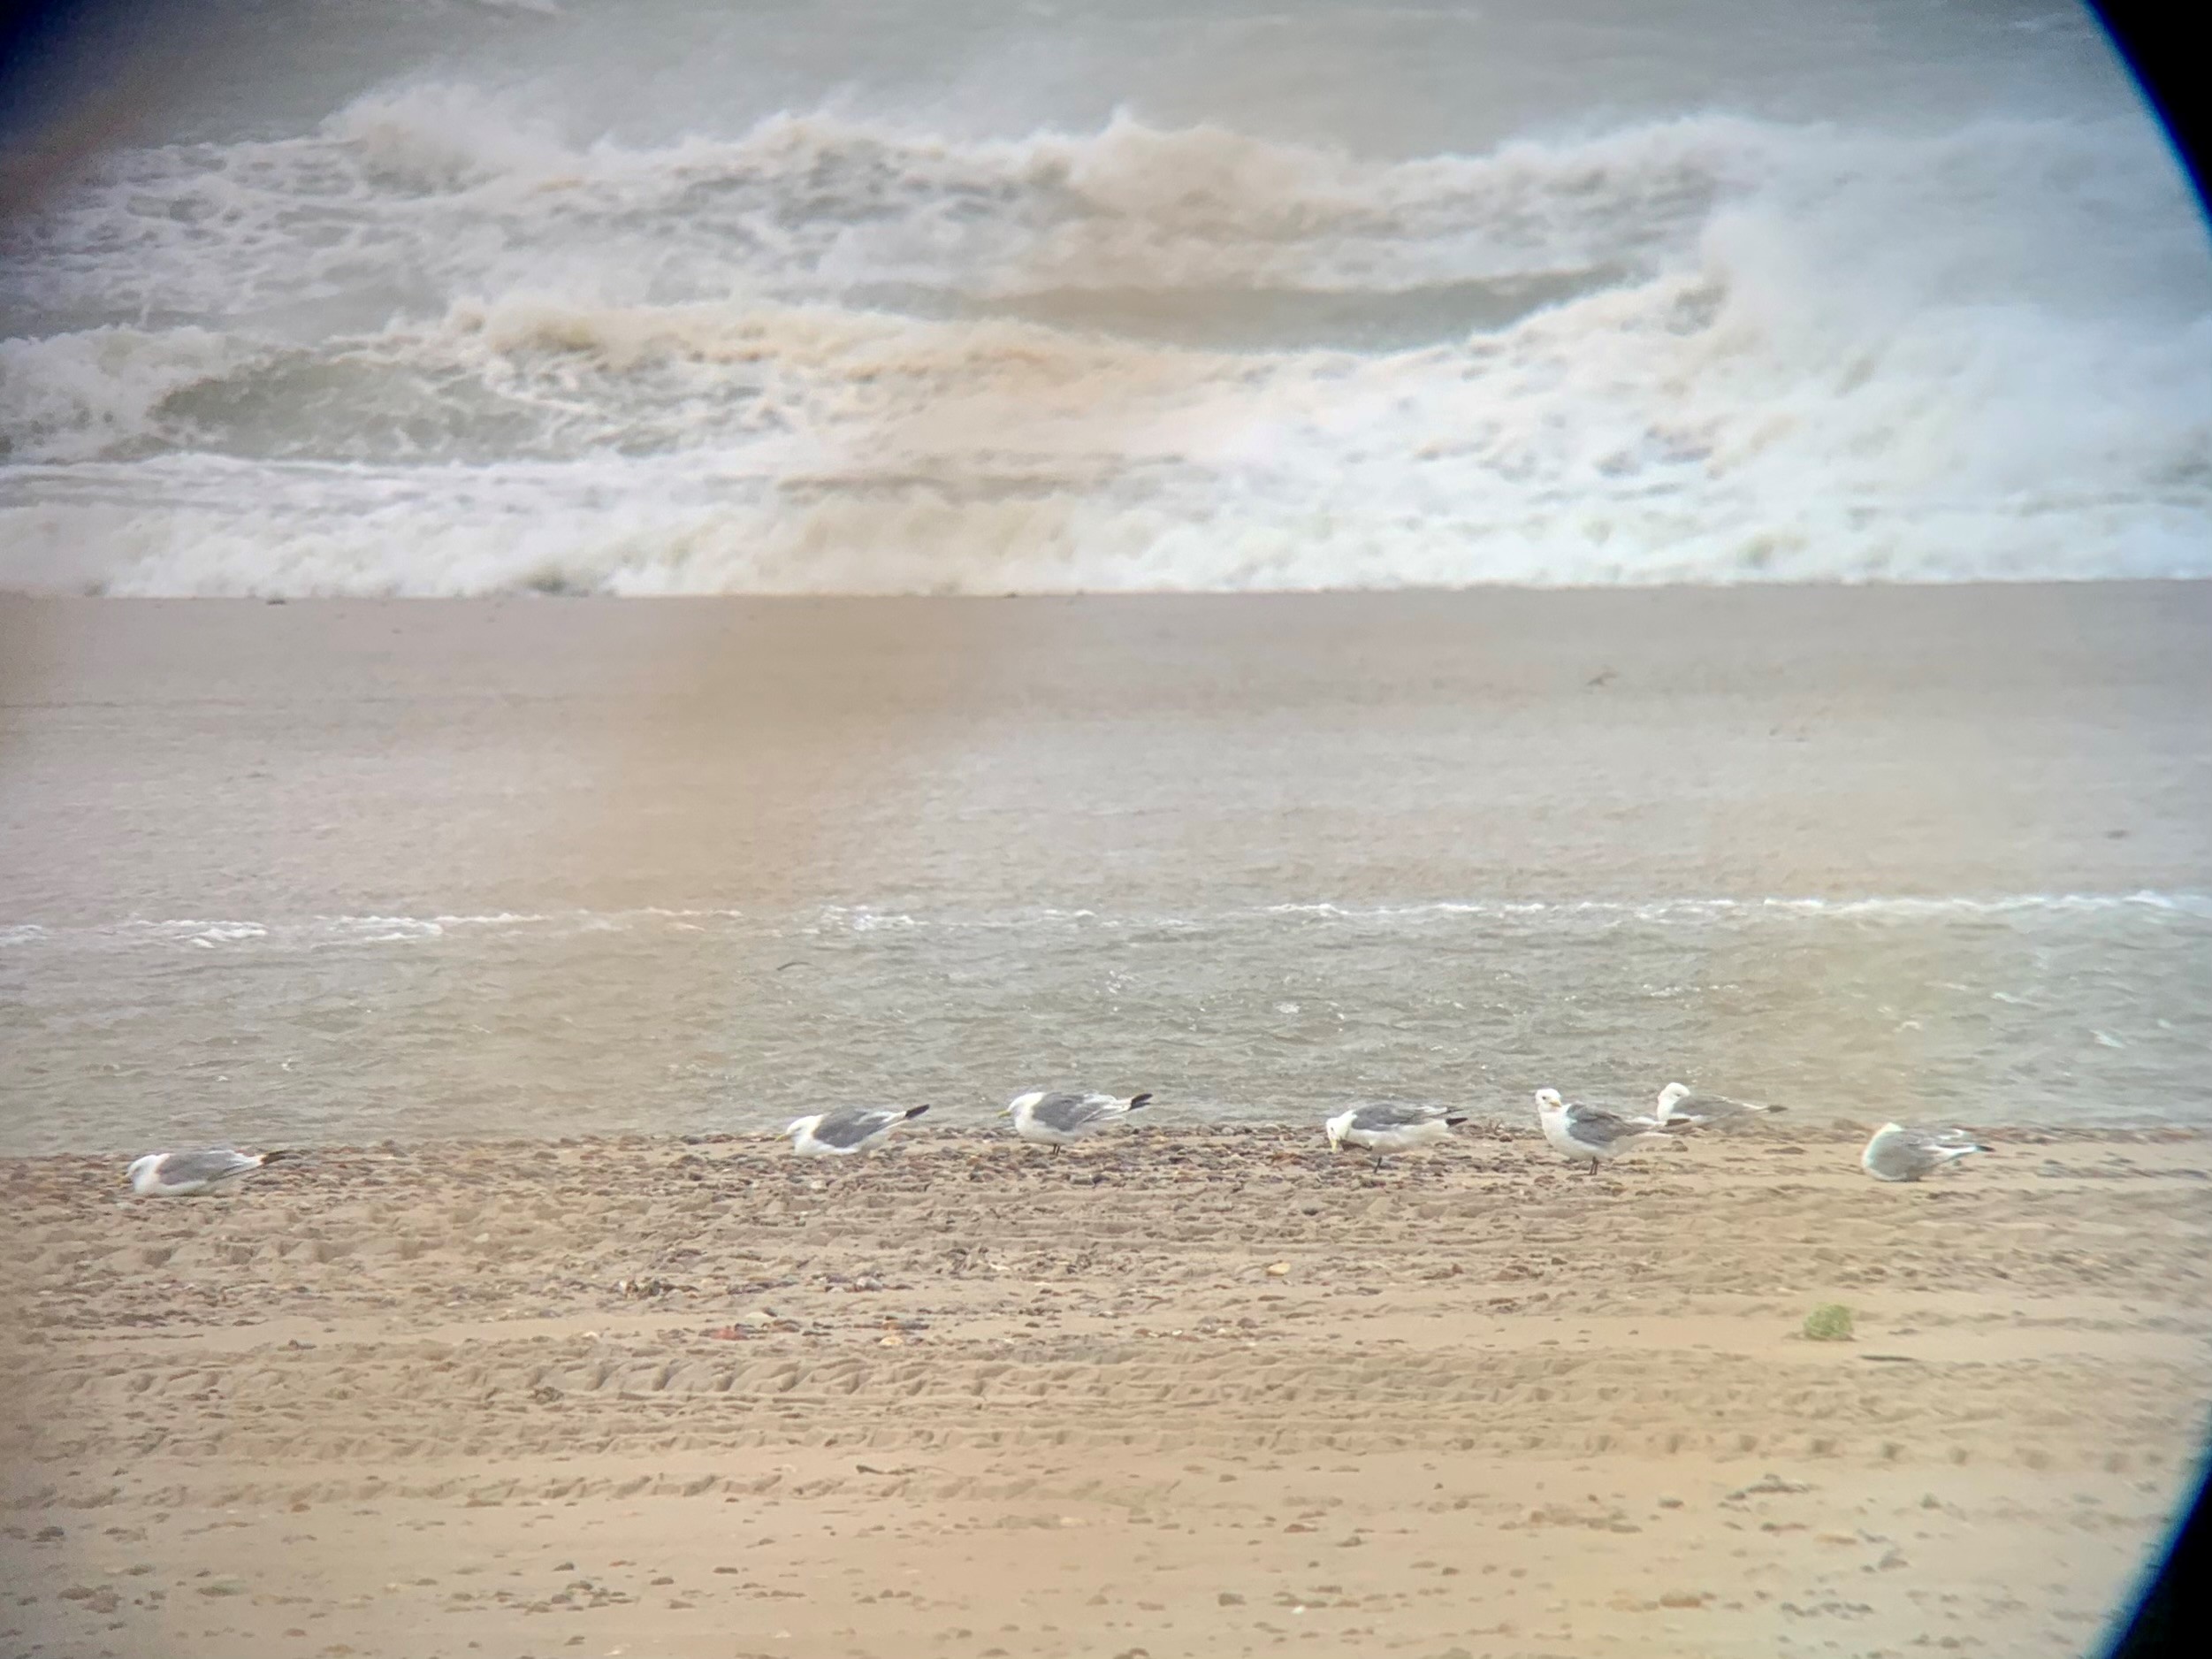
(534, 595)
(830, 769)
(1286, 1141)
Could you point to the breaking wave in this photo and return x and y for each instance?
(433, 348)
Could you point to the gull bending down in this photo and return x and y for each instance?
(847, 1130)
(1897, 1153)
(1679, 1103)
(1588, 1135)
(1062, 1120)
(189, 1175)
(1390, 1127)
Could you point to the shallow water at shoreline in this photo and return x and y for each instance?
(343, 872)
(2062, 1012)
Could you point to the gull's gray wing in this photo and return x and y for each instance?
(176, 1168)
(1896, 1157)
(1394, 1114)
(1705, 1106)
(1903, 1154)
(1594, 1126)
(1067, 1113)
(849, 1126)
(1944, 1140)
(1936, 1142)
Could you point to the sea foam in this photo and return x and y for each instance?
(431, 348)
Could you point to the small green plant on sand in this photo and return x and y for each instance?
(1830, 1322)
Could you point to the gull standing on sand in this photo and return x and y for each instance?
(1897, 1153)
(1390, 1127)
(189, 1175)
(1678, 1103)
(1062, 1120)
(1589, 1134)
(847, 1130)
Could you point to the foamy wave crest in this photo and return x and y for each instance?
(1948, 906)
(829, 355)
(2184, 908)
(100, 393)
(460, 186)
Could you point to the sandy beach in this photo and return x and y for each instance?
(1184, 1392)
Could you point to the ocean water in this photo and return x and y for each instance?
(338, 872)
(661, 296)
(2072, 1011)
(641, 297)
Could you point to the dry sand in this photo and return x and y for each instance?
(1184, 1393)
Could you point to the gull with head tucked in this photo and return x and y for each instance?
(1054, 1119)
(189, 1175)
(847, 1130)
(1589, 1134)
(1897, 1153)
(1390, 1127)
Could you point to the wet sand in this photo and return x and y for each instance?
(1185, 1392)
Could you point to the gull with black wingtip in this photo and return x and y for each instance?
(849, 1130)
(1591, 1135)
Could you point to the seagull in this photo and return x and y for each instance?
(847, 1130)
(1390, 1127)
(188, 1175)
(1588, 1133)
(1897, 1153)
(1058, 1119)
(1679, 1104)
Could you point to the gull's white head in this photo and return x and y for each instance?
(799, 1126)
(1548, 1100)
(1337, 1125)
(1019, 1101)
(1673, 1092)
(142, 1171)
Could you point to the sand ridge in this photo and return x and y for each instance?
(1184, 1391)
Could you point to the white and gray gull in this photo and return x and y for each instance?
(1390, 1126)
(1897, 1153)
(1591, 1135)
(1680, 1102)
(190, 1174)
(847, 1130)
(1052, 1118)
